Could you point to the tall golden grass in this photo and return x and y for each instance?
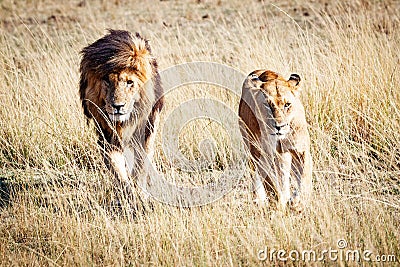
(55, 190)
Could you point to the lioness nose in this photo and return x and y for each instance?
(118, 106)
(279, 127)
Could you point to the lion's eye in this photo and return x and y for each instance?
(129, 82)
(287, 105)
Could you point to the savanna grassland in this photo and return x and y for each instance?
(55, 190)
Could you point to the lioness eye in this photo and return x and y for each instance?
(129, 82)
(287, 105)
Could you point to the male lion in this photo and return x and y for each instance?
(120, 89)
(274, 128)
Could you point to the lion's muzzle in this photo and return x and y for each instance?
(281, 130)
(119, 112)
(119, 117)
(118, 108)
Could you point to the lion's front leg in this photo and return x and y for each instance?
(149, 168)
(135, 159)
(117, 165)
(261, 197)
(285, 163)
(117, 161)
(301, 168)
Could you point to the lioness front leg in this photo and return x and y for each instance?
(259, 190)
(283, 186)
(301, 169)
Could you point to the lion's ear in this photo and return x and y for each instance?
(294, 81)
(254, 80)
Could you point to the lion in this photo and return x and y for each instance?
(120, 89)
(274, 130)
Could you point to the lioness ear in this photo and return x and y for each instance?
(253, 81)
(294, 79)
(294, 82)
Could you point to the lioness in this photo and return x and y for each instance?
(120, 89)
(274, 129)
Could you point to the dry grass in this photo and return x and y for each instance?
(55, 189)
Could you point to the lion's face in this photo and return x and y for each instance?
(122, 92)
(278, 103)
(276, 99)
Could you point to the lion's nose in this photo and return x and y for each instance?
(118, 106)
(280, 126)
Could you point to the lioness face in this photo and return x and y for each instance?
(279, 105)
(275, 101)
(122, 92)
